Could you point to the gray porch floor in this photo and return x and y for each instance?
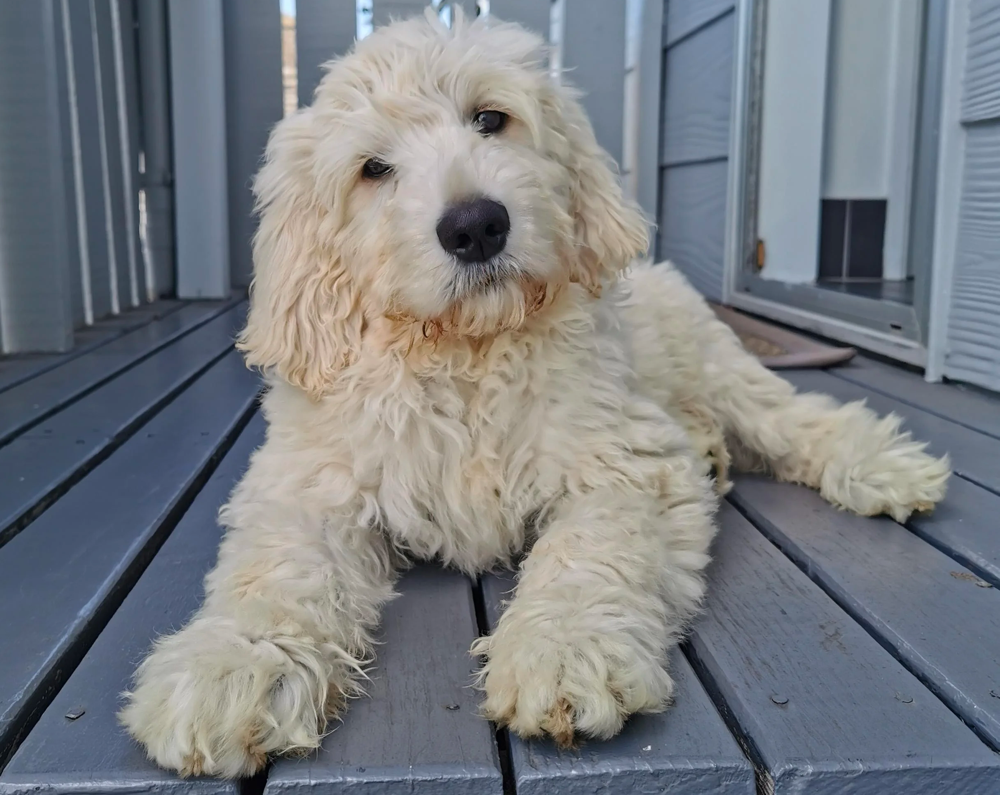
(837, 654)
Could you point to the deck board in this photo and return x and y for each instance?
(963, 405)
(965, 526)
(882, 575)
(417, 732)
(973, 454)
(686, 750)
(93, 754)
(819, 702)
(17, 369)
(63, 576)
(29, 403)
(46, 460)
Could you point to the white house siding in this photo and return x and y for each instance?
(973, 338)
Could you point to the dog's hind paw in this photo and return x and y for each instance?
(887, 472)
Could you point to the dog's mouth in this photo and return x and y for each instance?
(479, 278)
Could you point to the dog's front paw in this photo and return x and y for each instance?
(537, 686)
(886, 472)
(210, 701)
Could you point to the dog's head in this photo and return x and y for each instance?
(441, 181)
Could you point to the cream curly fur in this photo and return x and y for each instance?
(414, 413)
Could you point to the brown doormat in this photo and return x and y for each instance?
(779, 348)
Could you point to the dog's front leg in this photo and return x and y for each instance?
(274, 651)
(606, 591)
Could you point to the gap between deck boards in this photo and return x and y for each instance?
(501, 739)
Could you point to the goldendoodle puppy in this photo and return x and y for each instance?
(458, 370)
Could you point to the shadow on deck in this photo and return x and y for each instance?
(836, 652)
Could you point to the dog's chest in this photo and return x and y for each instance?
(467, 469)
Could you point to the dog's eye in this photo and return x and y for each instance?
(490, 122)
(375, 168)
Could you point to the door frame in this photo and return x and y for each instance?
(893, 330)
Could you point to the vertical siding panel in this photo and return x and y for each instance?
(388, 10)
(593, 55)
(201, 190)
(698, 95)
(699, 38)
(974, 327)
(972, 342)
(37, 216)
(253, 107)
(693, 223)
(533, 14)
(981, 86)
(683, 17)
(324, 29)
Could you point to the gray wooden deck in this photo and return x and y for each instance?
(837, 654)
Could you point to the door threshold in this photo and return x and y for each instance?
(898, 348)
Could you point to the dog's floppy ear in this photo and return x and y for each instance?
(610, 230)
(305, 320)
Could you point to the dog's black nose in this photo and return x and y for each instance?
(475, 230)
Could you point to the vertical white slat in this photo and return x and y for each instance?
(95, 282)
(158, 206)
(130, 193)
(593, 59)
(72, 263)
(631, 108)
(650, 65)
(77, 243)
(79, 191)
(201, 190)
(108, 181)
(323, 30)
(739, 154)
(556, 34)
(146, 277)
(37, 225)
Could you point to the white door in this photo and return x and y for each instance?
(836, 138)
